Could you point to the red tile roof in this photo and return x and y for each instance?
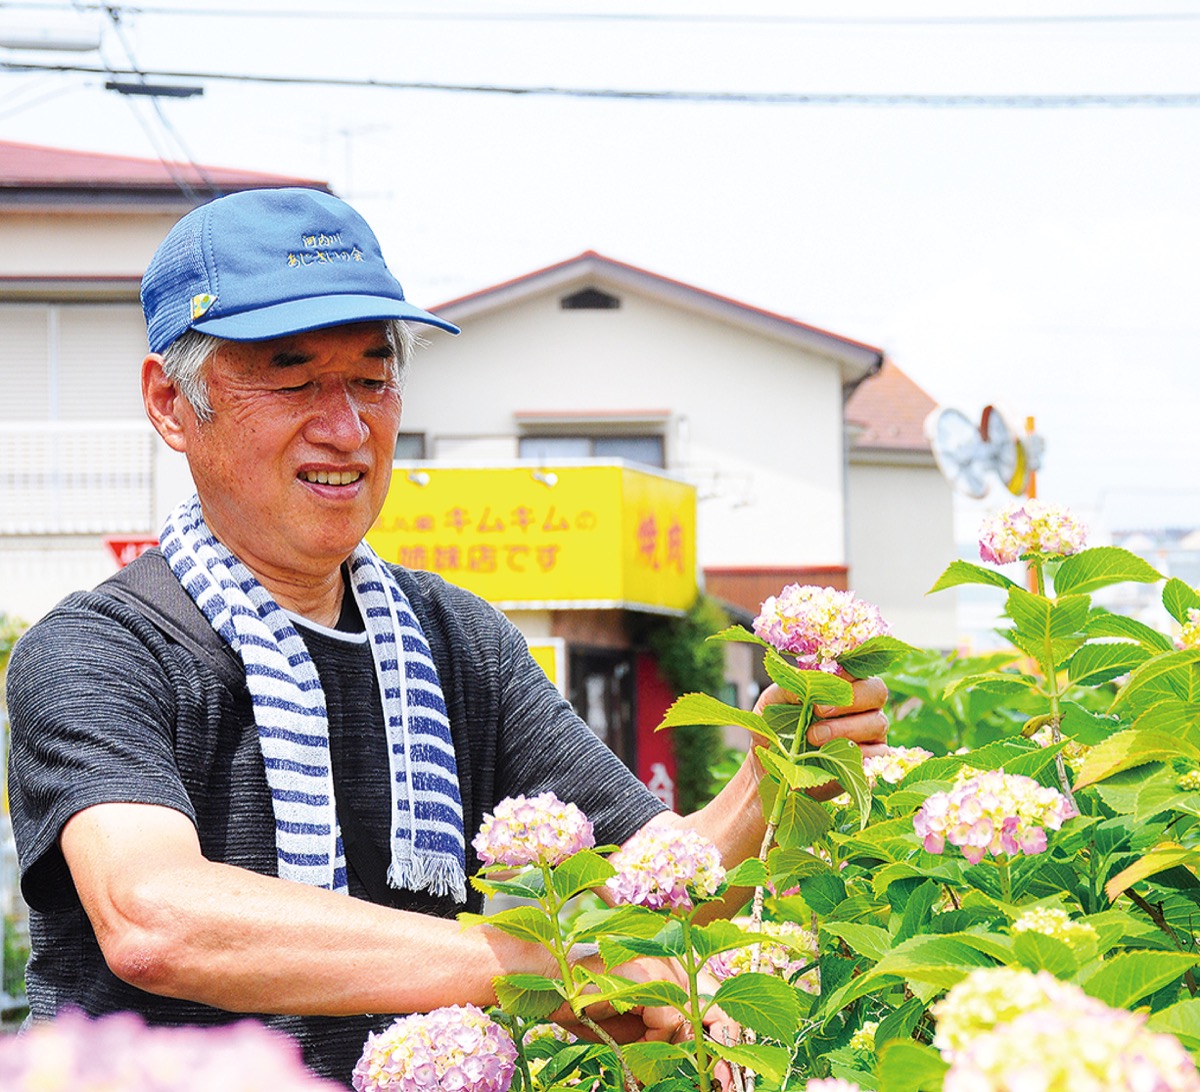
(891, 410)
(31, 166)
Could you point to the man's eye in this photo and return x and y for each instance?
(374, 384)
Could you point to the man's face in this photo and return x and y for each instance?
(294, 465)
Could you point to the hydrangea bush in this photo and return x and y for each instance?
(1003, 900)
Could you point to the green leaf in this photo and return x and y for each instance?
(1100, 567)
(1181, 1020)
(530, 996)
(1177, 718)
(618, 950)
(1179, 598)
(808, 686)
(652, 1062)
(1084, 726)
(1103, 623)
(874, 656)
(844, 760)
(528, 885)
(581, 872)
(750, 873)
(1174, 674)
(1042, 953)
(1159, 859)
(1099, 663)
(993, 682)
(704, 709)
(867, 940)
(721, 936)
(762, 1002)
(655, 994)
(1047, 630)
(1130, 976)
(766, 1060)
(899, 1023)
(905, 1066)
(1125, 750)
(963, 572)
(794, 774)
(738, 633)
(523, 922)
(804, 821)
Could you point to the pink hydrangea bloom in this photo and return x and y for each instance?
(663, 867)
(893, 764)
(122, 1052)
(1030, 527)
(817, 625)
(540, 829)
(452, 1049)
(782, 959)
(991, 812)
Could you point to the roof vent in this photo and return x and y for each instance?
(589, 299)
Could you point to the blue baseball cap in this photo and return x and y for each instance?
(262, 264)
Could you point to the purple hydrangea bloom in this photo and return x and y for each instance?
(453, 1049)
(661, 867)
(817, 625)
(538, 830)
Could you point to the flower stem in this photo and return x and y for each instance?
(1005, 878)
(1054, 693)
(695, 1012)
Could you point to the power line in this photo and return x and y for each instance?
(750, 18)
(783, 98)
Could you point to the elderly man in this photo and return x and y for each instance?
(191, 815)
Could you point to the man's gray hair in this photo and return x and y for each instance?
(184, 360)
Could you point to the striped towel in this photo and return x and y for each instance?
(427, 845)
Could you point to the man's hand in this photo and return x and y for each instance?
(862, 721)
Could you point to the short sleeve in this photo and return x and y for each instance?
(93, 712)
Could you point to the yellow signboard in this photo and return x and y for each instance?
(591, 535)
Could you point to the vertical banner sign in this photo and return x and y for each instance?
(594, 535)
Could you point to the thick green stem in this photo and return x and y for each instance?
(1005, 879)
(1054, 693)
(695, 1013)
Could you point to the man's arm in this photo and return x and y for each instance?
(173, 923)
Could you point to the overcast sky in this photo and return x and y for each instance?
(1040, 258)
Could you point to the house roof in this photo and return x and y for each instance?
(890, 410)
(855, 358)
(33, 174)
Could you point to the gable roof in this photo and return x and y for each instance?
(592, 269)
(31, 175)
(888, 411)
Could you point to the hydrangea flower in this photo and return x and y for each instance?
(894, 764)
(1073, 753)
(1051, 921)
(121, 1051)
(1030, 527)
(538, 830)
(991, 812)
(817, 625)
(1084, 1046)
(779, 959)
(452, 1049)
(1189, 634)
(864, 1038)
(663, 867)
(1190, 781)
(994, 995)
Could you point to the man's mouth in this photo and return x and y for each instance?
(331, 477)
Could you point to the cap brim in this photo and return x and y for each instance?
(299, 316)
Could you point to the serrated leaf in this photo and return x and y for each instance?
(1047, 630)
(656, 994)
(794, 774)
(1177, 718)
(963, 572)
(580, 872)
(810, 687)
(528, 885)
(1100, 663)
(874, 656)
(750, 873)
(721, 936)
(625, 921)
(618, 950)
(1157, 860)
(804, 821)
(762, 1002)
(1179, 598)
(1181, 1020)
(1043, 953)
(906, 1066)
(1100, 567)
(1130, 976)
(738, 633)
(655, 1061)
(844, 760)
(1084, 726)
(523, 922)
(994, 682)
(692, 709)
(1103, 623)
(1128, 749)
(1174, 671)
(529, 996)
(766, 1060)
(867, 940)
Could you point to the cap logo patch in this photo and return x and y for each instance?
(201, 303)
(323, 249)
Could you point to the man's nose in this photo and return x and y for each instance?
(337, 420)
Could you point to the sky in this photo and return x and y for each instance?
(1042, 260)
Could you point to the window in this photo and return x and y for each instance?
(589, 299)
(643, 448)
(410, 446)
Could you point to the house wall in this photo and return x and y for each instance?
(80, 244)
(755, 423)
(901, 538)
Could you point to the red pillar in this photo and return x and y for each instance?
(655, 750)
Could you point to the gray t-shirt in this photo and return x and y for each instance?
(105, 708)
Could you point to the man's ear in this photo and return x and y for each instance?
(164, 403)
